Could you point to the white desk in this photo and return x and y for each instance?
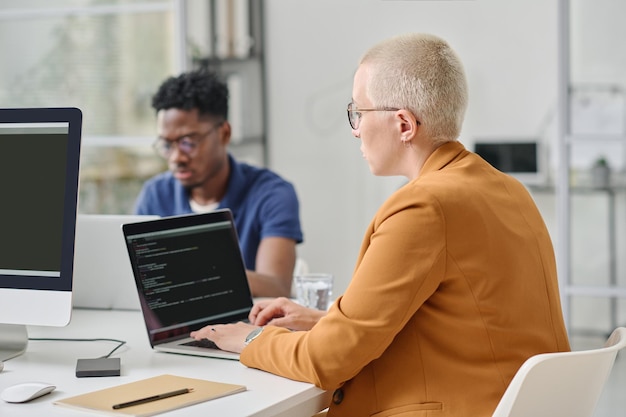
(55, 362)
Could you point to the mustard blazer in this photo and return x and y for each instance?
(455, 286)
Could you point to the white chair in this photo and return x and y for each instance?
(562, 384)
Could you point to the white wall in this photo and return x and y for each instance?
(312, 49)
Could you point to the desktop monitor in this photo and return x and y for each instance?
(521, 158)
(39, 188)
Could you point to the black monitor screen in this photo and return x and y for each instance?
(33, 222)
(39, 180)
(510, 157)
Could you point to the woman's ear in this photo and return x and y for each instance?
(408, 124)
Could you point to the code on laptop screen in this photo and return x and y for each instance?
(189, 277)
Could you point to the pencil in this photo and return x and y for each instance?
(152, 398)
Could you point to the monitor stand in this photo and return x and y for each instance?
(13, 340)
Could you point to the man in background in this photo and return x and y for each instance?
(193, 136)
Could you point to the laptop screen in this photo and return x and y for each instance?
(189, 273)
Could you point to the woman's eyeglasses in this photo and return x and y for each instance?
(354, 114)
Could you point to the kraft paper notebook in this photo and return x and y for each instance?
(102, 401)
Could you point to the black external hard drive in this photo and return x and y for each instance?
(98, 367)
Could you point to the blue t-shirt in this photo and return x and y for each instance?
(263, 205)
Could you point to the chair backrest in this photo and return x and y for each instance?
(561, 384)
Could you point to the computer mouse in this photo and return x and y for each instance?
(26, 391)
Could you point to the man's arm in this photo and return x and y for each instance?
(275, 260)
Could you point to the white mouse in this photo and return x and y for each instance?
(26, 391)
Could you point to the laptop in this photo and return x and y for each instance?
(189, 273)
(103, 278)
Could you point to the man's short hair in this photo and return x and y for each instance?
(200, 89)
(421, 73)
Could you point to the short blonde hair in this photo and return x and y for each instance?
(423, 74)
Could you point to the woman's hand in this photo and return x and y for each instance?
(230, 337)
(277, 312)
(283, 312)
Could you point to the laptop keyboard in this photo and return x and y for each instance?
(203, 343)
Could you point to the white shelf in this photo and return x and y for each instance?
(580, 122)
(595, 291)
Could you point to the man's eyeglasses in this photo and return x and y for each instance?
(187, 144)
(354, 114)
